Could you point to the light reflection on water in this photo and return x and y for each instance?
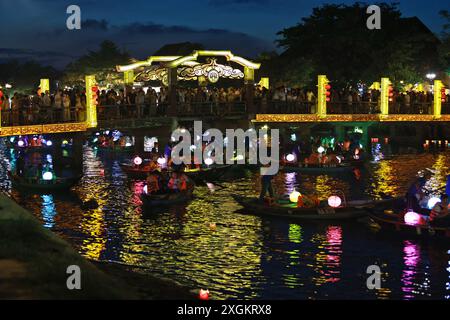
(246, 256)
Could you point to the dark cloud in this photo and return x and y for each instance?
(59, 45)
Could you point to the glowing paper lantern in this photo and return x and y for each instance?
(334, 201)
(47, 176)
(65, 142)
(128, 144)
(294, 196)
(20, 143)
(137, 161)
(432, 202)
(412, 218)
(145, 189)
(204, 294)
(162, 161)
(209, 161)
(11, 140)
(321, 150)
(49, 143)
(290, 157)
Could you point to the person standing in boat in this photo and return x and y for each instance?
(266, 187)
(415, 195)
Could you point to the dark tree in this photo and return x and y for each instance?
(335, 41)
(101, 63)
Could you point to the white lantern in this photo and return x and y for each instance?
(20, 143)
(334, 201)
(294, 196)
(209, 161)
(49, 143)
(290, 157)
(47, 176)
(432, 202)
(137, 161)
(162, 161)
(321, 150)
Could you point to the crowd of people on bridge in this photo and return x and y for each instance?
(44, 107)
(69, 105)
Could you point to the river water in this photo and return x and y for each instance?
(248, 257)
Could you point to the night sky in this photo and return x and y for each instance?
(37, 28)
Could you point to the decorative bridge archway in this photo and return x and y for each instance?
(171, 69)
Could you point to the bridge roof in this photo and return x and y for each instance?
(189, 60)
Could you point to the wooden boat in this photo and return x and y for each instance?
(353, 210)
(319, 170)
(136, 172)
(40, 186)
(390, 217)
(166, 200)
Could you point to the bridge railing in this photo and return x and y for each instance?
(345, 107)
(38, 115)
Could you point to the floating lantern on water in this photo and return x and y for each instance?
(20, 143)
(204, 294)
(290, 157)
(49, 143)
(334, 201)
(432, 202)
(209, 161)
(412, 218)
(321, 150)
(137, 161)
(294, 196)
(162, 161)
(213, 226)
(128, 144)
(47, 176)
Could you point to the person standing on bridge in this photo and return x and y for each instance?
(66, 105)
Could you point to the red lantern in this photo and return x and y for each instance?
(204, 294)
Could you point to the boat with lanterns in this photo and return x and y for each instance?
(333, 209)
(166, 199)
(48, 182)
(394, 216)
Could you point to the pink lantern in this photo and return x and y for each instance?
(334, 201)
(137, 161)
(413, 218)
